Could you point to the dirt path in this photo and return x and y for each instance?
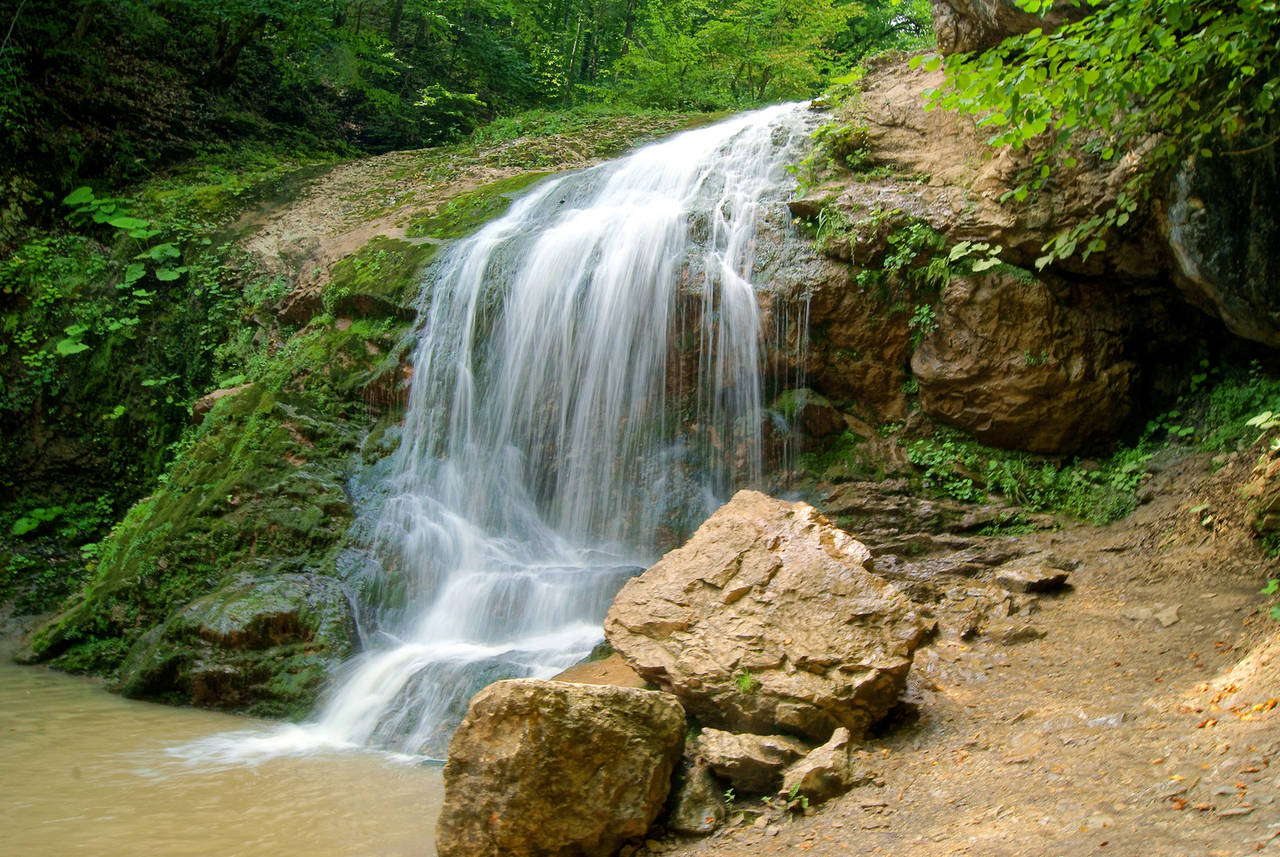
(1118, 732)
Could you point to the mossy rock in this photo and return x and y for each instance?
(263, 645)
(379, 281)
(467, 212)
(264, 478)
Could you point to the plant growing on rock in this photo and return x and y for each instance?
(1142, 84)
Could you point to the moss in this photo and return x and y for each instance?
(379, 280)
(469, 211)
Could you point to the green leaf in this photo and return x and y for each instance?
(123, 221)
(69, 346)
(168, 275)
(22, 526)
(134, 272)
(79, 196)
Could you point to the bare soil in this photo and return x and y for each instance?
(1143, 723)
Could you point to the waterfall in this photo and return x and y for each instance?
(586, 390)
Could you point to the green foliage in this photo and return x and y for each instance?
(1150, 81)
(957, 466)
(745, 682)
(1272, 591)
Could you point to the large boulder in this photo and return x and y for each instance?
(542, 768)
(265, 645)
(974, 25)
(768, 620)
(1020, 366)
(1219, 220)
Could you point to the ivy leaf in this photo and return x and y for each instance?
(69, 346)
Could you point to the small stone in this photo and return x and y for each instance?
(1235, 811)
(698, 807)
(753, 764)
(1010, 633)
(1031, 578)
(760, 823)
(1167, 616)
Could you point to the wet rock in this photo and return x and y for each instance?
(825, 773)
(265, 645)
(752, 764)
(767, 621)
(551, 768)
(974, 25)
(1222, 230)
(1018, 366)
(698, 807)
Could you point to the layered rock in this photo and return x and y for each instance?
(1017, 366)
(769, 621)
(553, 768)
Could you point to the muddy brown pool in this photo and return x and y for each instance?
(83, 771)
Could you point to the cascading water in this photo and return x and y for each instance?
(587, 376)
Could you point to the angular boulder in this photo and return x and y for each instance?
(1019, 365)
(825, 773)
(542, 768)
(767, 620)
(752, 764)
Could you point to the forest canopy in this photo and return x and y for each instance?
(114, 89)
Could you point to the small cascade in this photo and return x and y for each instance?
(586, 390)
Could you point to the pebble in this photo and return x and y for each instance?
(1235, 811)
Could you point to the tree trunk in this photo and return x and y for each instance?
(227, 52)
(393, 29)
(629, 27)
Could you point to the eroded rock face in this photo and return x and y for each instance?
(542, 768)
(768, 621)
(1018, 366)
(973, 25)
(1221, 226)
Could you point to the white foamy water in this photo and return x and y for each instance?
(586, 385)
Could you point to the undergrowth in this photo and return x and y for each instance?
(1218, 413)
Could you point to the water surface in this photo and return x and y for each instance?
(83, 771)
